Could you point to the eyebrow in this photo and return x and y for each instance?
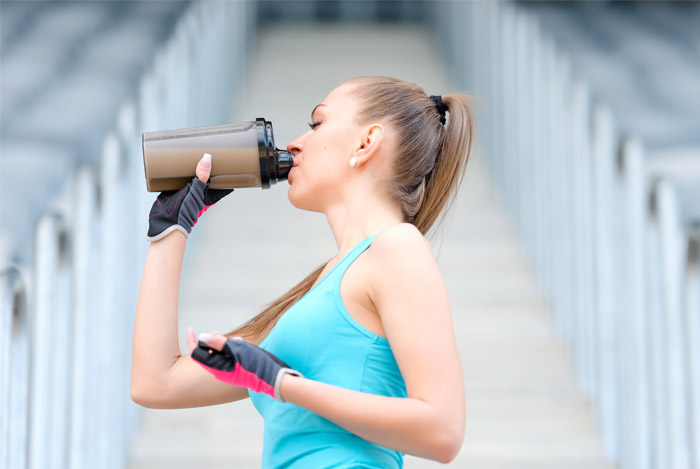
(317, 106)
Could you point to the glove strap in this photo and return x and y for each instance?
(278, 381)
(167, 231)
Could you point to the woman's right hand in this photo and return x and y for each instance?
(239, 363)
(180, 210)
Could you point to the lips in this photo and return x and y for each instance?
(295, 163)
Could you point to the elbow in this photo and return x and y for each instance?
(142, 396)
(447, 451)
(448, 443)
(137, 395)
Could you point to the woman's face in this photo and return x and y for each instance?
(322, 154)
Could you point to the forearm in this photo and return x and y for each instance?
(155, 345)
(407, 425)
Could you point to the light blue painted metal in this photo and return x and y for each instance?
(45, 377)
(657, 347)
(83, 427)
(13, 380)
(672, 266)
(625, 296)
(584, 288)
(66, 351)
(562, 195)
(635, 383)
(599, 224)
(606, 309)
(11, 285)
(692, 317)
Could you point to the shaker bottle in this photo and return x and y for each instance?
(243, 155)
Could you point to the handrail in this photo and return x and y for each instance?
(66, 319)
(600, 226)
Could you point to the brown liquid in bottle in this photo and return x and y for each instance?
(243, 155)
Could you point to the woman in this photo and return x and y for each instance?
(360, 362)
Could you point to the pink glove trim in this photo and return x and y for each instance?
(242, 377)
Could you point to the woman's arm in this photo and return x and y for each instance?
(161, 377)
(410, 425)
(410, 295)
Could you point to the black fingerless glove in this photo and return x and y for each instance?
(244, 364)
(180, 210)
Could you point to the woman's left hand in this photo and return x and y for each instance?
(180, 209)
(237, 362)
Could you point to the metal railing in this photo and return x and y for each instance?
(66, 319)
(613, 243)
(602, 224)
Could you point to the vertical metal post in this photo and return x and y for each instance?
(15, 367)
(61, 351)
(83, 426)
(657, 339)
(635, 357)
(582, 243)
(672, 264)
(692, 317)
(42, 326)
(604, 194)
(110, 232)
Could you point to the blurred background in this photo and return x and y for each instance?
(572, 255)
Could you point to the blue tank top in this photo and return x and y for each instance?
(318, 337)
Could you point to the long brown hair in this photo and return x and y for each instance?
(428, 169)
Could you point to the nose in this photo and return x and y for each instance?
(296, 145)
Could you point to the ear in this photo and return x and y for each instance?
(370, 141)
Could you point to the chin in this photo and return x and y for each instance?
(294, 197)
(301, 200)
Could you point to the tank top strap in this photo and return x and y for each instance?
(337, 274)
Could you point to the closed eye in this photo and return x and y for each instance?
(313, 125)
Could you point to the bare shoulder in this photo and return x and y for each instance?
(401, 245)
(403, 274)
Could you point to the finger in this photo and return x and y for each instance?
(214, 340)
(219, 342)
(191, 339)
(204, 168)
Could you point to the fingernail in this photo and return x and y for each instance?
(204, 337)
(206, 160)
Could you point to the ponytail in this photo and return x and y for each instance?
(257, 328)
(431, 157)
(446, 176)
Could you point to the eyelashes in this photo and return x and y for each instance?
(313, 125)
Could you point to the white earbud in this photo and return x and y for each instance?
(353, 162)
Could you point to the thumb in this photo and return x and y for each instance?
(204, 168)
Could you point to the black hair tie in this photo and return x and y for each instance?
(441, 108)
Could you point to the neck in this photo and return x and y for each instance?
(359, 216)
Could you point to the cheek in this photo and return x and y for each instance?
(315, 185)
(306, 195)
